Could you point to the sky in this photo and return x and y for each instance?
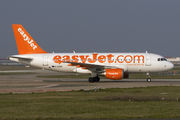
(64, 26)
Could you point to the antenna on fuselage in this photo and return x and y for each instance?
(146, 51)
(74, 51)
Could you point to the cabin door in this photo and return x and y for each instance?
(45, 60)
(148, 60)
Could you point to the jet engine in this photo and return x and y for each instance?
(115, 74)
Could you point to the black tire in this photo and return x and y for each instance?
(96, 79)
(91, 79)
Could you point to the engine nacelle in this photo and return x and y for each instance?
(115, 74)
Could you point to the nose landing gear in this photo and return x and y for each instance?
(148, 77)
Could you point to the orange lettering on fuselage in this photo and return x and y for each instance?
(66, 58)
(74, 58)
(121, 59)
(138, 56)
(129, 59)
(125, 59)
(109, 58)
(102, 59)
(83, 58)
(57, 59)
(93, 60)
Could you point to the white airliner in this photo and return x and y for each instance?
(115, 66)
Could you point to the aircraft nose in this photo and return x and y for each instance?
(170, 65)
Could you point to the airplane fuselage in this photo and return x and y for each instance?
(130, 62)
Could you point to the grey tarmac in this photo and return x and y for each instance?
(28, 83)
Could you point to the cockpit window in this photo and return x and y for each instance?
(162, 59)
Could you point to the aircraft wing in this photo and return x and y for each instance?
(90, 66)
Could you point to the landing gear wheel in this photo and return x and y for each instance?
(91, 79)
(148, 79)
(96, 79)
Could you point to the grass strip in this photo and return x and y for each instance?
(115, 103)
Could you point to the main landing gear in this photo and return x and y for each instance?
(94, 79)
(148, 78)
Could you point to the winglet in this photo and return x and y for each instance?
(25, 43)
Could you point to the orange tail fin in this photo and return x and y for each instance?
(25, 43)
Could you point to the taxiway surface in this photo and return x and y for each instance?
(30, 83)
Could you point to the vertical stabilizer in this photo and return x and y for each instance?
(25, 43)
